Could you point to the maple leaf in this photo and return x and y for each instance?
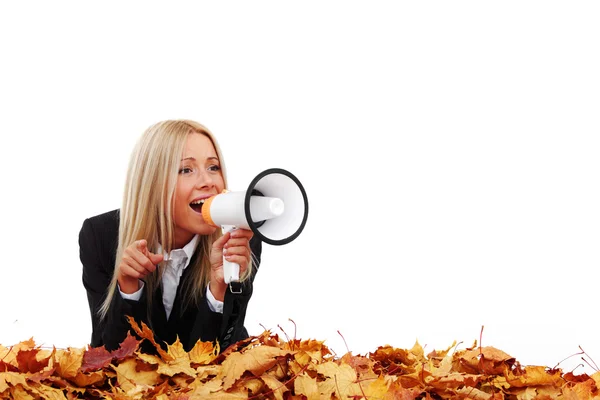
(278, 389)
(9, 355)
(397, 392)
(11, 379)
(375, 388)
(534, 376)
(146, 333)
(203, 353)
(47, 392)
(18, 392)
(27, 361)
(256, 360)
(95, 358)
(340, 380)
(69, 362)
(127, 348)
(89, 379)
(132, 380)
(307, 386)
(486, 360)
(178, 361)
(5, 367)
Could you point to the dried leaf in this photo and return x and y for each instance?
(256, 360)
(69, 362)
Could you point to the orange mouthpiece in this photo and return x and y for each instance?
(206, 212)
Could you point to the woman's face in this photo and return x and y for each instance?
(199, 178)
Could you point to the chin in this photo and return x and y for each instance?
(206, 230)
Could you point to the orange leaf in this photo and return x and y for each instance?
(203, 353)
(28, 362)
(146, 333)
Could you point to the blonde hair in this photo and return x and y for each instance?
(147, 210)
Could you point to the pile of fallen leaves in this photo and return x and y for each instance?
(267, 367)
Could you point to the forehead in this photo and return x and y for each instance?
(198, 146)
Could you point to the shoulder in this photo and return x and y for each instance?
(107, 222)
(102, 230)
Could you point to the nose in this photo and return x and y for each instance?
(205, 180)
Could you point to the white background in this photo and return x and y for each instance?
(450, 152)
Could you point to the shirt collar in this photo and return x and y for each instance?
(185, 253)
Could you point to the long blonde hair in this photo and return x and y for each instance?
(147, 210)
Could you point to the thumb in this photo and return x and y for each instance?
(220, 242)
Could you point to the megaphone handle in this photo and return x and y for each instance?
(231, 270)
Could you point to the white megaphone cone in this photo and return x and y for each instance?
(274, 207)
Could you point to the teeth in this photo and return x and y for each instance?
(198, 201)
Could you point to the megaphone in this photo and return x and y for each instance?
(274, 207)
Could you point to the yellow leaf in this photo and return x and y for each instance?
(212, 390)
(129, 378)
(50, 393)
(150, 359)
(307, 386)
(256, 360)
(534, 376)
(252, 386)
(69, 362)
(341, 380)
(18, 392)
(376, 389)
(474, 393)
(204, 371)
(277, 387)
(13, 379)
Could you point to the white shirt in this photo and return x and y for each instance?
(175, 263)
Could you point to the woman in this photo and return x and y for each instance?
(156, 259)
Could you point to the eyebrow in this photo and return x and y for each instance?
(193, 159)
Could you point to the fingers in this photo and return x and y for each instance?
(237, 248)
(138, 261)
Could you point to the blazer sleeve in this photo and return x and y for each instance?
(96, 251)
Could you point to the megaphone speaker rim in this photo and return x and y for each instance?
(254, 226)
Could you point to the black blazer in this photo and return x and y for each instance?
(98, 240)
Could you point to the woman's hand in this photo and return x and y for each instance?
(235, 246)
(136, 263)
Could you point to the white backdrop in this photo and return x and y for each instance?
(449, 151)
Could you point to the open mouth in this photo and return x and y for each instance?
(197, 205)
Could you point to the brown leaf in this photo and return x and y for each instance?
(5, 367)
(95, 358)
(127, 348)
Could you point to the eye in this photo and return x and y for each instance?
(214, 168)
(185, 170)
